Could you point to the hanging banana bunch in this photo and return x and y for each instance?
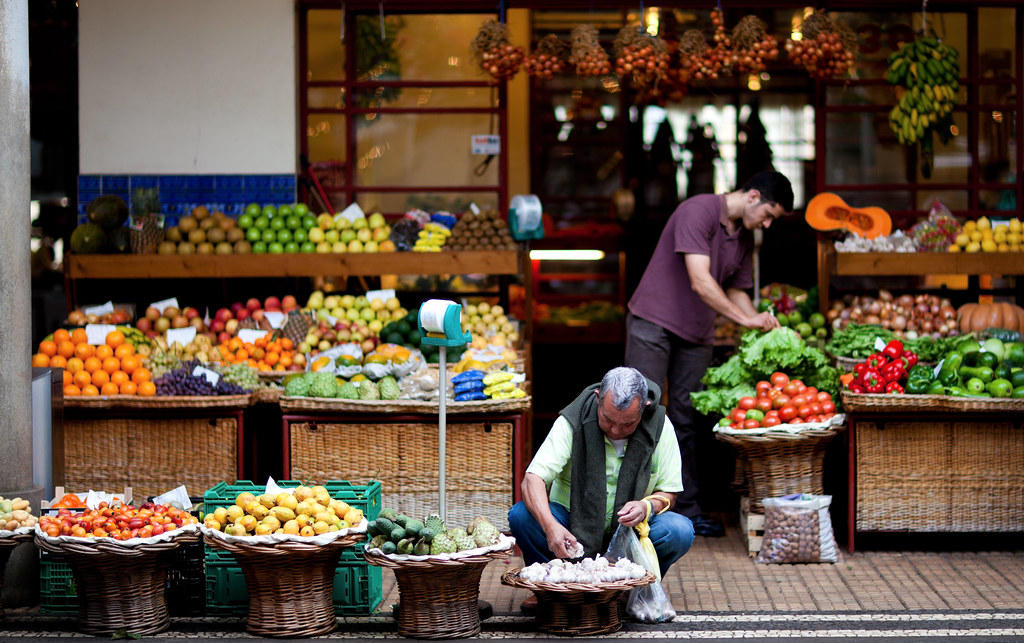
(929, 72)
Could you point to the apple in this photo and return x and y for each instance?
(323, 247)
(360, 223)
(223, 337)
(299, 360)
(357, 336)
(316, 235)
(344, 335)
(364, 234)
(179, 321)
(348, 235)
(342, 223)
(361, 302)
(197, 323)
(231, 326)
(237, 306)
(331, 236)
(252, 304)
(288, 302)
(171, 312)
(339, 246)
(387, 246)
(367, 314)
(145, 324)
(242, 314)
(331, 336)
(272, 303)
(332, 301)
(325, 221)
(324, 345)
(161, 325)
(190, 312)
(355, 246)
(376, 220)
(375, 326)
(217, 325)
(380, 234)
(347, 301)
(367, 346)
(338, 313)
(352, 314)
(223, 314)
(257, 315)
(392, 303)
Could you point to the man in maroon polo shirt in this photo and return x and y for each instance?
(701, 267)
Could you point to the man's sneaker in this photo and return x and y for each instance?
(707, 526)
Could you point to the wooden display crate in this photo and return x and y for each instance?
(752, 526)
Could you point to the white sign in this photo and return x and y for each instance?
(183, 336)
(102, 309)
(166, 303)
(351, 213)
(383, 295)
(485, 143)
(330, 319)
(211, 376)
(474, 208)
(96, 334)
(879, 344)
(276, 318)
(250, 335)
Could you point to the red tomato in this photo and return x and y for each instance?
(810, 391)
(824, 396)
(779, 379)
(764, 404)
(828, 407)
(775, 392)
(791, 389)
(787, 413)
(805, 411)
(746, 403)
(812, 418)
(774, 413)
(751, 424)
(738, 415)
(780, 401)
(762, 388)
(771, 421)
(827, 416)
(815, 408)
(799, 384)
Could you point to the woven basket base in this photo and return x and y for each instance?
(578, 614)
(114, 594)
(439, 602)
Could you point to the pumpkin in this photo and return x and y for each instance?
(977, 317)
(828, 211)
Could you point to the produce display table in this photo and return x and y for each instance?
(150, 444)
(927, 469)
(486, 452)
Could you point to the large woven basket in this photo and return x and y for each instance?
(290, 584)
(7, 545)
(576, 609)
(158, 401)
(120, 587)
(438, 596)
(329, 405)
(781, 463)
(876, 403)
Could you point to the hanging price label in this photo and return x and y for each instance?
(211, 376)
(96, 334)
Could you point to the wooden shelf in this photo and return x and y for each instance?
(506, 262)
(928, 263)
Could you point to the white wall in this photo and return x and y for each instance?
(187, 87)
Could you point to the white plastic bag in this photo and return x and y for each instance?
(650, 603)
(798, 529)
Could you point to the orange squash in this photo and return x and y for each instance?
(977, 317)
(828, 211)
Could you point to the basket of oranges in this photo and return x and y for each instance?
(92, 371)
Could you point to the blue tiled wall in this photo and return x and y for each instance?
(179, 193)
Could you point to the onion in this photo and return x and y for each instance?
(886, 323)
(911, 334)
(832, 315)
(874, 308)
(844, 314)
(927, 326)
(905, 301)
(899, 322)
(947, 312)
(885, 295)
(922, 309)
(872, 319)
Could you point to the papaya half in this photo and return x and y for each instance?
(828, 211)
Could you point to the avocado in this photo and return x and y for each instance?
(88, 238)
(109, 211)
(118, 240)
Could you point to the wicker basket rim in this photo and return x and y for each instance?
(158, 401)
(781, 437)
(273, 540)
(290, 403)
(504, 544)
(512, 579)
(427, 562)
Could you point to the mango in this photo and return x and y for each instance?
(307, 531)
(244, 499)
(291, 527)
(267, 501)
(235, 512)
(283, 514)
(302, 493)
(220, 514)
(286, 500)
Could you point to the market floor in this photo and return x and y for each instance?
(720, 593)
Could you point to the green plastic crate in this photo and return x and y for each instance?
(358, 586)
(57, 593)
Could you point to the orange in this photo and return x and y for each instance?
(61, 335)
(147, 389)
(119, 378)
(103, 351)
(78, 336)
(47, 347)
(83, 379)
(90, 390)
(68, 378)
(272, 358)
(84, 350)
(75, 365)
(58, 361)
(130, 363)
(287, 344)
(100, 377)
(140, 375)
(286, 361)
(111, 364)
(115, 338)
(242, 355)
(128, 388)
(71, 389)
(40, 360)
(66, 348)
(124, 350)
(109, 389)
(93, 364)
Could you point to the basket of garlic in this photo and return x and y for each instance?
(579, 598)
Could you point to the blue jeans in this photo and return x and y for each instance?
(671, 533)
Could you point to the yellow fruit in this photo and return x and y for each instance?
(304, 520)
(320, 527)
(354, 516)
(976, 236)
(325, 516)
(340, 508)
(999, 236)
(291, 527)
(973, 246)
(1015, 225)
(220, 514)
(273, 523)
(234, 513)
(988, 245)
(286, 500)
(211, 523)
(267, 500)
(250, 506)
(1002, 227)
(259, 511)
(343, 525)
(234, 530)
(953, 248)
(983, 223)
(1015, 247)
(307, 531)
(970, 226)
(302, 493)
(244, 499)
(263, 529)
(284, 514)
(1003, 247)
(1013, 237)
(248, 522)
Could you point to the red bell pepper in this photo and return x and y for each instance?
(893, 350)
(893, 371)
(855, 387)
(878, 360)
(872, 381)
(909, 358)
(858, 369)
(893, 387)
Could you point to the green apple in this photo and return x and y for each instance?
(347, 301)
(268, 236)
(316, 299)
(355, 246)
(338, 312)
(275, 248)
(338, 246)
(376, 325)
(332, 301)
(392, 303)
(367, 314)
(253, 210)
(245, 221)
(325, 221)
(300, 235)
(364, 234)
(291, 247)
(348, 235)
(331, 236)
(377, 220)
(361, 302)
(262, 222)
(277, 223)
(360, 223)
(370, 246)
(309, 222)
(352, 314)
(316, 235)
(252, 235)
(285, 211)
(259, 248)
(323, 248)
(307, 247)
(269, 211)
(380, 234)
(342, 223)
(293, 222)
(284, 235)
(301, 209)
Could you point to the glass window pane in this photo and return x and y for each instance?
(955, 200)
(326, 135)
(995, 42)
(952, 159)
(891, 200)
(997, 145)
(324, 50)
(862, 149)
(1002, 200)
(423, 149)
(325, 98)
(419, 47)
(426, 97)
(401, 202)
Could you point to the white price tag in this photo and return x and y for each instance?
(879, 344)
(250, 335)
(183, 336)
(102, 309)
(474, 208)
(351, 213)
(96, 334)
(166, 303)
(330, 319)
(273, 489)
(383, 295)
(211, 376)
(485, 144)
(275, 318)
(938, 367)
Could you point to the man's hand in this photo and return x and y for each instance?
(561, 542)
(632, 513)
(763, 321)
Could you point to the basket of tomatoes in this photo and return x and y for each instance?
(780, 436)
(119, 556)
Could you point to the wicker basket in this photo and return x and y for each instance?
(876, 403)
(7, 545)
(403, 457)
(576, 609)
(271, 395)
(780, 463)
(158, 402)
(334, 405)
(120, 587)
(291, 584)
(438, 596)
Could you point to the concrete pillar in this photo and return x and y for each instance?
(15, 286)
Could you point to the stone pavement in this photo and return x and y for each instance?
(720, 593)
